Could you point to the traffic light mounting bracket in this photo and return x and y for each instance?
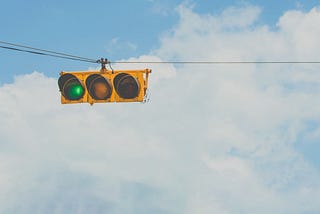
(104, 62)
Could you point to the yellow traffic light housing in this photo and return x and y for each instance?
(103, 86)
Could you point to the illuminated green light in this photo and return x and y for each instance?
(74, 91)
(71, 87)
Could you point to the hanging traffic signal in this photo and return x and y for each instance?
(103, 86)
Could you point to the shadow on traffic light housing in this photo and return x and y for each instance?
(103, 86)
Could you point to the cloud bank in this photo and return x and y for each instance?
(212, 139)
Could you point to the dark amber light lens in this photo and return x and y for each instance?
(99, 87)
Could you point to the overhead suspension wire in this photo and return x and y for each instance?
(44, 52)
(47, 54)
(215, 62)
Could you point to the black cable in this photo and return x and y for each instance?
(84, 59)
(46, 54)
(47, 51)
(217, 62)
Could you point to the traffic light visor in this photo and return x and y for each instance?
(99, 87)
(71, 87)
(126, 86)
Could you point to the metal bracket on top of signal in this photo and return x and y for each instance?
(104, 62)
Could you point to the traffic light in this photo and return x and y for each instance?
(103, 86)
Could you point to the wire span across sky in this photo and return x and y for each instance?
(44, 52)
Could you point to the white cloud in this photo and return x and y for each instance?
(213, 139)
(163, 7)
(117, 45)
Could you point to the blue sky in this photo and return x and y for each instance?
(109, 29)
(212, 139)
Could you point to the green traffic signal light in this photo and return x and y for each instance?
(74, 91)
(71, 87)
